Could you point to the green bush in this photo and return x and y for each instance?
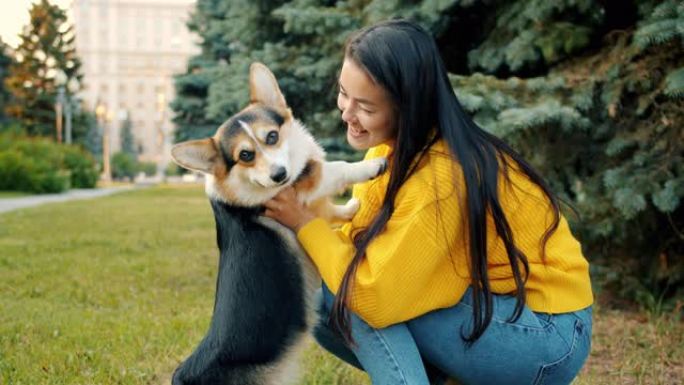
(40, 165)
(84, 173)
(149, 168)
(19, 172)
(124, 165)
(173, 169)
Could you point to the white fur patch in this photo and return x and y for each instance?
(250, 132)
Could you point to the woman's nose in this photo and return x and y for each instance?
(347, 114)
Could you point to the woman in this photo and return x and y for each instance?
(458, 258)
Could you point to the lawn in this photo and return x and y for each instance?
(118, 290)
(13, 194)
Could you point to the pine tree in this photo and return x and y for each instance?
(605, 129)
(189, 106)
(92, 138)
(5, 63)
(127, 138)
(47, 46)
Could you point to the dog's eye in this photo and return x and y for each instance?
(272, 137)
(246, 156)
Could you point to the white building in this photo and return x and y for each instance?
(130, 51)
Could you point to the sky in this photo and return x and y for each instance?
(14, 14)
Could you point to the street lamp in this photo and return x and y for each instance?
(60, 81)
(162, 138)
(73, 86)
(63, 104)
(101, 113)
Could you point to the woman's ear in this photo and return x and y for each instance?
(197, 155)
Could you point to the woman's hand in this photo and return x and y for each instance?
(286, 209)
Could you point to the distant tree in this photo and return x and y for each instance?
(91, 139)
(127, 139)
(47, 46)
(5, 96)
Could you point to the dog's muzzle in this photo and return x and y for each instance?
(279, 175)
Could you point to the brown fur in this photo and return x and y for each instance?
(312, 178)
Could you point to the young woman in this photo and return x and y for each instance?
(458, 258)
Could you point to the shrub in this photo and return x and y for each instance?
(173, 169)
(40, 165)
(149, 168)
(19, 172)
(124, 165)
(84, 173)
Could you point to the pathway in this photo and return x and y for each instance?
(9, 204)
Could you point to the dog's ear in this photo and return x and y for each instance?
(263, 87)
(197, 155)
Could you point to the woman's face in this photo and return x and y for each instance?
(366, 108)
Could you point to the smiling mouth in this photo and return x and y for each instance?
(356, 131)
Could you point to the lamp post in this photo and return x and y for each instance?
(101, 113)
(63, 104)
(162, 137)
(73, 87)
(60, 81)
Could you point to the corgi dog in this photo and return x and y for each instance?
(263, 308)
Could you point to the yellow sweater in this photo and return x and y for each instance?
(419, 262)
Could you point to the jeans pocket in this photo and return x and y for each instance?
(565, 369)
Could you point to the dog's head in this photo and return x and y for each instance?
(249, 159)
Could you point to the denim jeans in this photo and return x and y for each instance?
(538, 348)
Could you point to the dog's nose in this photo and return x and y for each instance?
(279, 174)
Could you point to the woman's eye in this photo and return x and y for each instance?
(272, 137)
(246, 156)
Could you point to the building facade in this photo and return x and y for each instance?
(130, 51)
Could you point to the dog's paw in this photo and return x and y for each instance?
(377, 166)
(350, 208)
(383, 166)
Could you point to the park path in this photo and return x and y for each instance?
(9, 204)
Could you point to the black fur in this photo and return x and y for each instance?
(274, 116)
(233, 124)
(306, 171)
(227, 158)
(259, 307)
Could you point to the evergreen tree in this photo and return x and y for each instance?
(189, 106)
(47, 46)
(5, 62)
(92, 139)
(127, 138)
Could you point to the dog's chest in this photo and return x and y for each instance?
(310, 277)
(263, 266)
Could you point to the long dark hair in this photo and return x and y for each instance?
(403, 58)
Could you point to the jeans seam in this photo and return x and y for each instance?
(389, 354)
(544, 370)
(542, 328)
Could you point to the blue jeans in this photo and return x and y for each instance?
(536, 349)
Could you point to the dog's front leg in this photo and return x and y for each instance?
(336, 176)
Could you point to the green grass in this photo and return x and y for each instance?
(118, 290)
(13, 194)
